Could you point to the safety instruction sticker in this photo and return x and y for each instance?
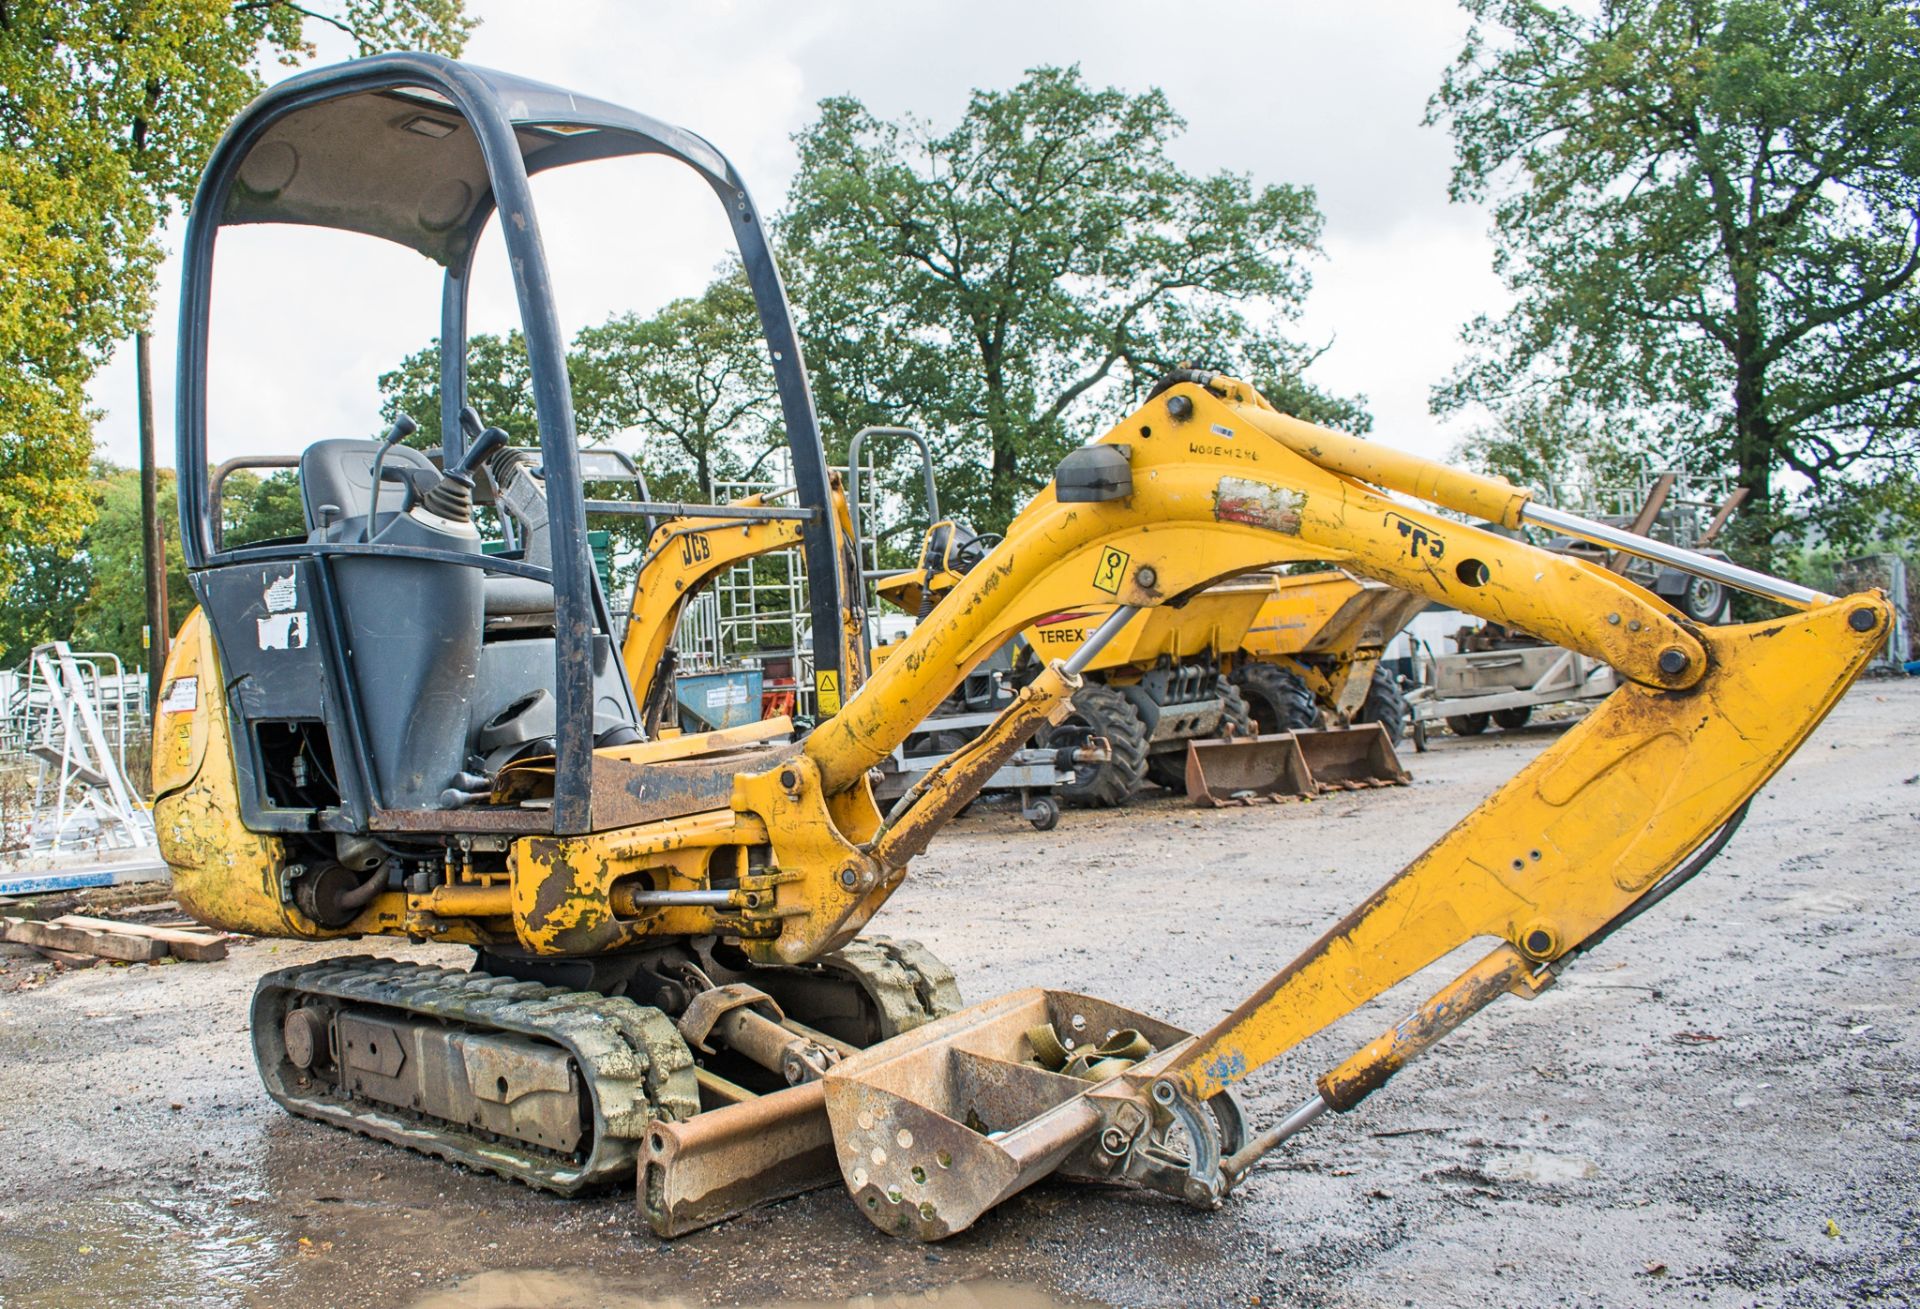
(284, 627)
(1110, 569)
(826, 690)
(1258, 504)
(182, 696)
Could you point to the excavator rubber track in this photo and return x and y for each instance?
(903, 980)
(591, 1071)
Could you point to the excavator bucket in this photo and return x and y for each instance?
(1351, 758)
(1244, 770)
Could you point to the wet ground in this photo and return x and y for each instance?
(1721, 1107)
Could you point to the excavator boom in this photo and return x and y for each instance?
(1592, 832)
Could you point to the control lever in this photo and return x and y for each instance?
(478, 449)
(452, 496)
(403, 427)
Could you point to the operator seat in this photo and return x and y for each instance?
(340, 472)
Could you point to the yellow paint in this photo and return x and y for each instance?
(826, 691)
(563, 899)
(1576, 837)
(181, 736)
(824, 876)
(683, 555)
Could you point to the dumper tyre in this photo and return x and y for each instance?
(1101, 711)
(1469, 724)
(1277, 698)
(1513, 718)
(1386, 704)
(1168, 768)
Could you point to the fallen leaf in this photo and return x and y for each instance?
(1656, 1270)
(1833, 1228)
(1696, 1038)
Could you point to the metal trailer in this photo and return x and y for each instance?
(1478, 688)
(1031, 774)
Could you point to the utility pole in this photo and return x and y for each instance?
(153, 543)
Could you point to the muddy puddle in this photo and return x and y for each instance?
(559, 1289)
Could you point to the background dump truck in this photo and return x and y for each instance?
(1259, 655)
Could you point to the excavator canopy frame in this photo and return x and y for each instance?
(424, 151)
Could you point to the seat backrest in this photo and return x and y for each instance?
(340, 472)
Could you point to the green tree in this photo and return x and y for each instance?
(49, 585)
(1706, 212)
(695, 378)
(108, 109)
(255, 509)
(499, 387)
(114, 611)
(1559, 449)
(990, 283)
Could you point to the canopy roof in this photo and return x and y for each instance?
(403, 164)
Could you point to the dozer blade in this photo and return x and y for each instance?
(936, 1127)
(1247, 769)
(726, 1161)
(1352, 758)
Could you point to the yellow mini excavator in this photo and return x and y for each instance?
(695, 545)
(669, 972)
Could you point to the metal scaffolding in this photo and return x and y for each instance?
(70, 714)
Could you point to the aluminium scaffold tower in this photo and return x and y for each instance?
(82, 796)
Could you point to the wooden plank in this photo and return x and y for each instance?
(198, 947)
(71, 958)
(107, 945)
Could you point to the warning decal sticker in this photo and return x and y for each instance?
(826, 690)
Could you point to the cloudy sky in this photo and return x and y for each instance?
(1327, 95)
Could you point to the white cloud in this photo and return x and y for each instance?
(1326, 95)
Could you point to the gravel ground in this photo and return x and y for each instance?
(1717, 1108)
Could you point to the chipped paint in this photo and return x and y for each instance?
(1259, 504)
